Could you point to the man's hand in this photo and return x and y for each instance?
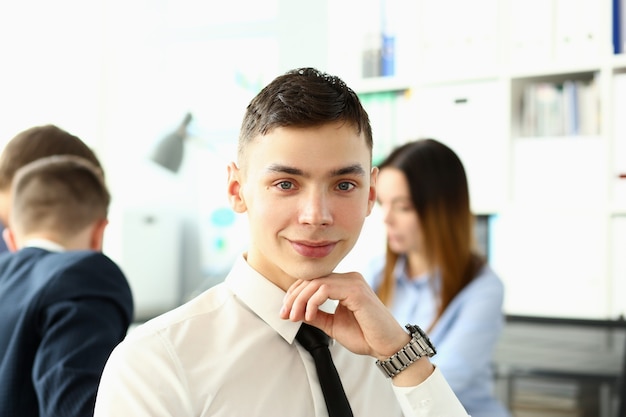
(361, 323)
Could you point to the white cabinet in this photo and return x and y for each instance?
(471, 120)
(618, 266)
(553, 263)
(618, 163)
(559, 173)
(146, 243)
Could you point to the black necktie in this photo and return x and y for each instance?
(316, 342)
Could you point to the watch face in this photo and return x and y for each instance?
(413, 328)
(416, 330)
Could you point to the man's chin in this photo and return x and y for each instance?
(311, 272)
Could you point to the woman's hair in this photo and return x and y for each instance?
(439, 193)
(303, 97)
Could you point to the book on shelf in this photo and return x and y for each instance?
(469, 36)
(570, 108)
(576, 30)
(554, 30)
(536, 396)
(542, 412)
(619, 23)
(530, 45)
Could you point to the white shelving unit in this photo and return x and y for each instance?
(557, 202)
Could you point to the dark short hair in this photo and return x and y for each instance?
(38, 142)
(303, 97)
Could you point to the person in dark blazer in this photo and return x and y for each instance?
(64, 305)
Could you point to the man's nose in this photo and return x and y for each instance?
(316, 209)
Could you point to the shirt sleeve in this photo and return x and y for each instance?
(433, 397)
(143, 378)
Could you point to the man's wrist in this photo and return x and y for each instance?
(418, 347)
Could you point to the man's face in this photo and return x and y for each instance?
(307, 192)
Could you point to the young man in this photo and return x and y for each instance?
(305, 180)
(64, 305)
(29, 145)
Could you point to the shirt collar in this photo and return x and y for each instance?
(44, 244)
(264, 298)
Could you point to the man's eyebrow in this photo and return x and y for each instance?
(285, 169)
(355, 169)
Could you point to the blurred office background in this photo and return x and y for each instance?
(530, 93)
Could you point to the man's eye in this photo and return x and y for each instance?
(285, 185)
(345, 186)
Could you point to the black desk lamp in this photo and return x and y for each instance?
(169, 151)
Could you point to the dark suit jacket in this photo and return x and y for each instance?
(3, 245)
(61, 315)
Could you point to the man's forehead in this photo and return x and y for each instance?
(334, 146)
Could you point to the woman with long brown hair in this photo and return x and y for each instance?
(432, 274)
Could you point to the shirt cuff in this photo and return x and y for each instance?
(433, 397)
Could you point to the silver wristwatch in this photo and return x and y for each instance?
(418, 347)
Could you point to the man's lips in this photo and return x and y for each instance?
(313, 249)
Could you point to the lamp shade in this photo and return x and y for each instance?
(169, 151)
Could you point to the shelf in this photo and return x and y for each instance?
(563, 140)
(618, 211)
(555, 70)
(619, 62)
(380, 85)
(433, 76)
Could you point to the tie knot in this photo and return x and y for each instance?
(312, 338)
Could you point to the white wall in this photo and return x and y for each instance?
(121, 75)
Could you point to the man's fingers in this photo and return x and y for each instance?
(303, 299)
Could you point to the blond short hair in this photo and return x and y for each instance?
(59, 194)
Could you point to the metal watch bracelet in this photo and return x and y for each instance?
(418, 347)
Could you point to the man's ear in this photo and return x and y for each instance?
(97, 235)
(235, 189)
(371, 198)
(9, 239)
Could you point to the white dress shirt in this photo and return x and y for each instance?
(228, 353)
(45, 244)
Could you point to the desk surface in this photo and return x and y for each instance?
(562, 348)
(587, 352)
